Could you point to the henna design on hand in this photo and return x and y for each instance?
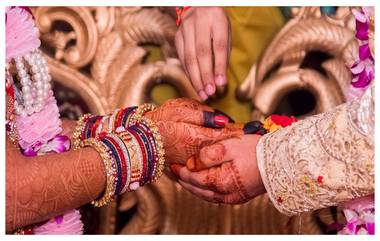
(189, 111)
(226, 180)
(211, 155)
(182, 140)
(229, 175)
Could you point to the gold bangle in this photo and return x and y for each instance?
(110, 170)
(13, 134)
(78, 131)
(159, 144)
(140, 111)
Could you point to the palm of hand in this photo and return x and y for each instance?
(230, 173)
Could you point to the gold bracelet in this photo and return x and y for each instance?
(78, 131)
(110, 169)
(159, 144)
(140, 111)
(13, 134)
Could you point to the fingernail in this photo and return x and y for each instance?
(220, 80)
(220, 120)
(230, 120)
(176, 169)
(252, 127)
(202, 94)
(210, 89)
(190, 164)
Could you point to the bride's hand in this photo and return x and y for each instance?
(183, 124)
(189, 111)
(228, 171)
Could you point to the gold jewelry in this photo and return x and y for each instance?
(13, 134)
(110, 170)
(78, 131)
(9, 114)
(140, 111)
(135, 165)
(159, 144)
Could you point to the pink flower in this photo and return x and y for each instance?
(362, 18)
(363, 72)
(58, 144)
(68, 223)
(359, 214)
(21, 32)
(41, 127)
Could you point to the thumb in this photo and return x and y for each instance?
(209, 156)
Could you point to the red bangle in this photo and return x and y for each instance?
(180, 11)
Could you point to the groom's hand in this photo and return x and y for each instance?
(225, 172)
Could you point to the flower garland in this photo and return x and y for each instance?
(360, 213)
(363, 70)
(32, 113)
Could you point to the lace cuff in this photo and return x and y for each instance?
(321, 161)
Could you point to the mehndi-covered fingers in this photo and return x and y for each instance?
(207, 157)
(189, 111)
(182, 140)
(214, 185)
(212, 155)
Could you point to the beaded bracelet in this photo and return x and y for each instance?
(153, 148)
(140, 111)
(143, 140)
(100, 128)
(136, 149)
(110, 169)
(159, 146)
(136, 161)
(78, 131)
(111, 121)
(120, 154)
(89, 126)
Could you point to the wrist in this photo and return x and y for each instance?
(260, 187)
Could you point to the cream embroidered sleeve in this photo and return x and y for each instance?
(321, 161)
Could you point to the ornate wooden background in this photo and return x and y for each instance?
(98, 60)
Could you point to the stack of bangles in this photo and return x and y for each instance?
(129, 145)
